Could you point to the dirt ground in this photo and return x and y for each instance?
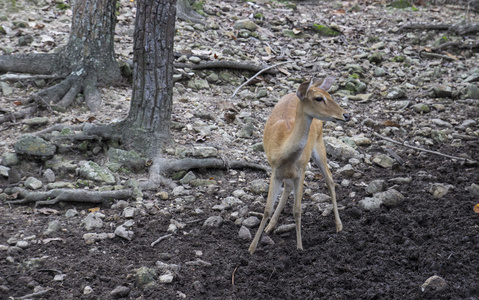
(384, 254)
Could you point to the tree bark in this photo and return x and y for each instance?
(149, 119)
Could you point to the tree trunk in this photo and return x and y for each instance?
(149, 119)
(87, 61)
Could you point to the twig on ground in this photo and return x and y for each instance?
(233, 276)
(417, 148)
(174, 165)
(37, 294)
(257, 74)
(160, 239)
(20, 77)
(223, 64)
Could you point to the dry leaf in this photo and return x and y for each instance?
(389, 123)
(268, 50)
(48, 211)
(94, 209)
(452, 56)
(91, 119)
(476, 208)
(296, 31)
(340, 11)
(284, 71)
(17, 103)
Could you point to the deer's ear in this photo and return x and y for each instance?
(327, 83)
(304, 88)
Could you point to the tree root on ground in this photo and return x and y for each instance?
(458, 29)
(54, 196)
(221, 64)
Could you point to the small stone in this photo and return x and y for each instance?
(472, 91)
(442, 91)
(321, 198)
(285, 228)
(434, 284)
(474, 189)
(244, 233)
(5, 88)
(33, 183)
(245, 24)
(166, 278)
(383, 160)
(421, 108)
(438, 190)
(259, 186)
(266, 240)
(376, 186)
(121, 231)
(93, 221)
(370, 203)
(194, 59)
(213, 222)
(53, 227)
(71, 213)
(130, 212)
(9, 159)
(22, 244)
(49, 175)
(346, 171)
(251, 222)
(87, 290)
(396, 93)
(120, 292)
(442, 123)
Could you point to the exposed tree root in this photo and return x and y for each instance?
(458, 29)
(221, 64)
(23, 113)
(68, 195)
(168, 166)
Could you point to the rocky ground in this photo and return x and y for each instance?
(410, 226)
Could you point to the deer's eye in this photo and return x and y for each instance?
(319, 99)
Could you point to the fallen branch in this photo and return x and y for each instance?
(424, 54)
(458, 29)
(37, 294)
(419, 149)
(160, 239)
(20, 77)
(222, 64)
(257, 74)
(173, 165)
(68, 195)
(58, 127)
(457, 45)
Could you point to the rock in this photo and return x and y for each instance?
(370, 203)
(35, 146)
(396, 93)
(190, 176)
(5, 88)
(130, 212)
(239, 193)
(205, 151)
(213, 222)
(434, 284)
(145, 278)
(49, 175)
(377, 58)
(472, 91)
(194, 59)
(33, 183)
(180, 191)
(474, 77)
(246, 131)
(339, 150)
(166, 278)
(120, 292)
(4, 171)
(474, 189)
(442, 123)
(92, 171)
(53, 227)
(361, 140)
(251, 222)
(421, 108)
(129, 159)
(438, 190)
(463, 126)
(285, 228)
(123, 232)
(244, 233)
(379, 72)
(321, 198)
(198, 84)
(346, 171)
(390, 198)
(22, 244)
(401, 180)
(9, 159)
(259, 186)
(376, 186)
(93, 220)
(25, 40)
(71, 213)
(266, 240)
(383, 160)
(442, 91)
(245, 24)
(87, 290)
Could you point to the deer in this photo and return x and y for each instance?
(293, 134)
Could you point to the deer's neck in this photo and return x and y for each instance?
(299, 135)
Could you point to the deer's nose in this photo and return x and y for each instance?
(347, 117)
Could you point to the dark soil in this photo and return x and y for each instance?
(386, 254)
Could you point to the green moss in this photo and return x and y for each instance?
(62, 6)
(2, 30)
(355, 76)
(198, 7)
(398, 59)
(258, 16)
(325, 30)
(373, 39)
(400, 4)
